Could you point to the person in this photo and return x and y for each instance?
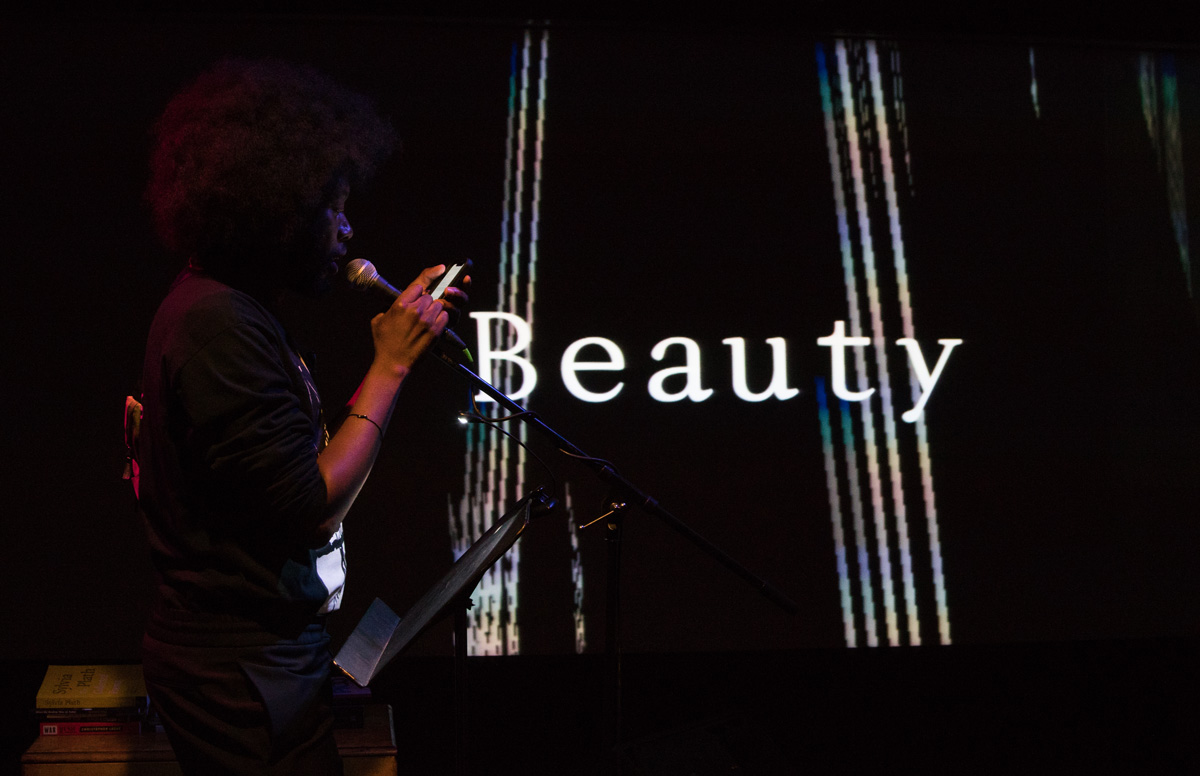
(243, 490)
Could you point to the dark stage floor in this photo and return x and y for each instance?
(1085, 707)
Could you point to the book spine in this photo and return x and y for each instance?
(91, 702)
(90, 715)
(89, 728)
(91, 686)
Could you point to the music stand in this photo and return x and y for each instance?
(381, 635)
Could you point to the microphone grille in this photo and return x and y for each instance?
(361, 273)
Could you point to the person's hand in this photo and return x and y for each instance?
(455, 298)
(410, 325)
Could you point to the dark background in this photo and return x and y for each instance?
(686, 193)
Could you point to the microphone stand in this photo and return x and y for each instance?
(622, 494)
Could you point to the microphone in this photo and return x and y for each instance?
(363, 275)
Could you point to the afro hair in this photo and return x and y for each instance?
(246, 155)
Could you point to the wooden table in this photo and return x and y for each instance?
(366, 751)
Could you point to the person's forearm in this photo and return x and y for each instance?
(350, 454)
(401, 335)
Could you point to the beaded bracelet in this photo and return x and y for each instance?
(373, 423)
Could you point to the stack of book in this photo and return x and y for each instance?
(349, 702)
(92, 699)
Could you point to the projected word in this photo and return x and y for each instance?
(837, 343)
(573, 363)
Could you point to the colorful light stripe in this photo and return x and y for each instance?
(1159, 88)
(847, 252)
(576, 572)
(898, 109)
(862, 162)
(850, 446)
(875, 479)
(835, 512)
(889, 416)
(907, 325)
(1033, 86)
(495, 472)
(1176, 198)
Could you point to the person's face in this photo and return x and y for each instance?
(333, 231)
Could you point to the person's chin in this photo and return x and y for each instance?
(319, 283)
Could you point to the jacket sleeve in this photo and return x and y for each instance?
(253, 443)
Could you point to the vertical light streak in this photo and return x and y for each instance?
(477, 506)
(509, 256)
(882, 538)
(1174, 164)
(500, 466)
(510, 564)
(847, 253)
(850, 446)
(507, 202)
(882, 138)
(935, 541)
(535, 217)
(485, 637)
(576, 573)
(835, 514)
(901, 120)
(495, 473)
(539, 139)
(511, 284)
(1160, 107)
(865, 168)
(1148, 83)
(906, 318)
(1033, 87)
